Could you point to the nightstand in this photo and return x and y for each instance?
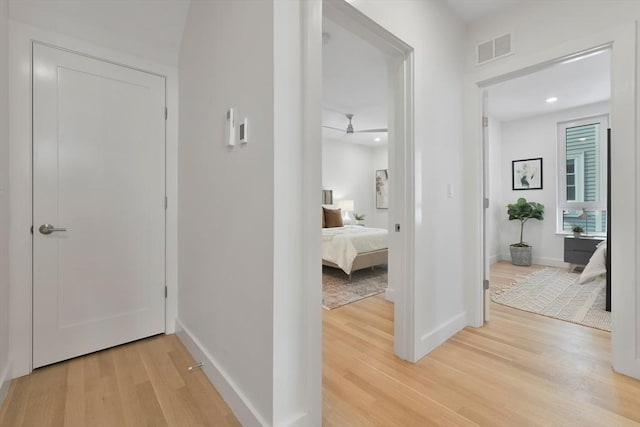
(579, 251)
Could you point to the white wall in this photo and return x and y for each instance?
(529, 138)
(243, 296)
(226, 205)
(349, 170)
(437, 37)
(563, 22)
(149, 29)
(4, 201)
(21, 36)
(139, 34)
(568, 29)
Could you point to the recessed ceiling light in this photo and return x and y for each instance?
(552, 100)
(376, 139)
(582, 139)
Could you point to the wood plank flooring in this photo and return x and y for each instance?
(503, 273)
(145, 383)
(519, 370)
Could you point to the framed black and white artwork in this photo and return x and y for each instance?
(526, 174)
(382, 189)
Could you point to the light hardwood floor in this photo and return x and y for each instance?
(503, 273)
(519, 370)
(145, 383)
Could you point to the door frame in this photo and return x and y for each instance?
(486, 206)
(401, 158)
(483, 96)
(151, 318)
(625, 340)
(21, 39)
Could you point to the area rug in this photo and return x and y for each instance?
(338, 291)
(558, 294)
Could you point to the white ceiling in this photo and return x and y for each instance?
(580, 82)
(354, 78)
(148, 28)
(472, 10)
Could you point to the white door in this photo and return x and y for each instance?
(98, 173)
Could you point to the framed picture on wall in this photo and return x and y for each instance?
(526, 174)
(382, 189)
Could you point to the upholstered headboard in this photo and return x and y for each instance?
(327, 197)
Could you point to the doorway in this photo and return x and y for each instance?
(537, 127)
(98, 204)
(355, 168)
(400, 217)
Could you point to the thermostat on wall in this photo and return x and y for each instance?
(230, 128)
(244, 131)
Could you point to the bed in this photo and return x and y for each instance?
(354, 247)
(600, 262)
(350, 247)
(599, 266)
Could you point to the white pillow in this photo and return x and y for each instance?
(597, 265)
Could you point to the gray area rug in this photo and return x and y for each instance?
(338, 291)
(556, 293)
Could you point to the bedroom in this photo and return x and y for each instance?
(354, 167)
(552, 122)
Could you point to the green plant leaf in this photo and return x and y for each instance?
(523, 211)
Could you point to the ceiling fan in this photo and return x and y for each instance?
(350, 130)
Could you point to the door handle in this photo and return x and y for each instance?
(48, 229)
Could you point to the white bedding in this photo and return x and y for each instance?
(341, 245)
(597, 265)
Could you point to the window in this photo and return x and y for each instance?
(575, 177)
(571, 180)
(582, 189)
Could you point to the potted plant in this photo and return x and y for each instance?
(577, 231)
(523, 211)
(359, 218)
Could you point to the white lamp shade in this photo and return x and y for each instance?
(346, 205)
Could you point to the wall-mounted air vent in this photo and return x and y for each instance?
(496, 48)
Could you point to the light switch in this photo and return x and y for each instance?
(450, 191)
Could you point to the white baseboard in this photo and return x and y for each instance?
(434, 338)
(296, 420)
(494, 258)
(389, 295)
(237, 401)
(551, 262)
(5, 382)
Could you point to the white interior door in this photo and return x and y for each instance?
(98, 172)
